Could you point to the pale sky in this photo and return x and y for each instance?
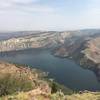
(23, 15)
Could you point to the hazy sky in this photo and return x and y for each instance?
(49, 14)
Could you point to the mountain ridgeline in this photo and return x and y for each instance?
(49, 39)
(39, 40)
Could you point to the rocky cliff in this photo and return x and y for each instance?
(85, 51)
(92, 55)
(42, 40)
(46, 39)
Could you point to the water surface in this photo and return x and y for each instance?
(64, 71)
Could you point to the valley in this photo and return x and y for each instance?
(86, 52)
(82, 46)
(47, 65)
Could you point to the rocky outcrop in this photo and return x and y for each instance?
(46, 39)
(92, 54)
(85, 52)
(42, 40)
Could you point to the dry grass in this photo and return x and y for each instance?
(85, 96)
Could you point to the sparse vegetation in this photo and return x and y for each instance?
(27, 84)
(54, 96)
(19, 83)
(12, 83)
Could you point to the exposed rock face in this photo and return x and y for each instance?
(69, 47)
(39, 39)
(85, 51)
(47, 39)
(33, 41)
(92, 53)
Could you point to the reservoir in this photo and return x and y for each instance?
(62, 70)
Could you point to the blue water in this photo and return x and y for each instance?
(64, 71)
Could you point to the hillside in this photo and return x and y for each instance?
(18, 82)
(46, 39)
(85, 52)
(39, 40)
(20, 79)
(92, 55)
(56, 96)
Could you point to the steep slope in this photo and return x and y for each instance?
(15, 85)
(14, 78)
(46, 39)
(85, 51)
(42, 40)
(91, 55)
(20, 79)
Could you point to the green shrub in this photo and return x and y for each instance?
(55, 87)
(58, 96)
(10, 84)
